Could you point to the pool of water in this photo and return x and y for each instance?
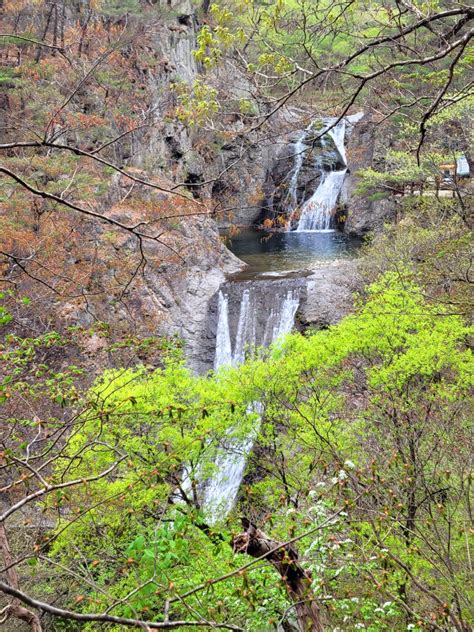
(280, 252)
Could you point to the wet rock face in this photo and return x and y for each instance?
(238, 188)
(325, 295)
(266, 299)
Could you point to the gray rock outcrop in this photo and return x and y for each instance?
(362, 214)
(330, 294)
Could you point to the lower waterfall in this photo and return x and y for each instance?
(253, 329)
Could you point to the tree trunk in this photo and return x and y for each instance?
(285, 559)
(15, 609)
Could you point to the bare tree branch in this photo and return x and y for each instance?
(108, 618)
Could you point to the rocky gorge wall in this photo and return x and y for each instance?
(229, 176)
(237, 180)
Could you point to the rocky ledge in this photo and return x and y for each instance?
(329, 294)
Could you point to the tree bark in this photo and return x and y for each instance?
(14, 608)
(256, 543)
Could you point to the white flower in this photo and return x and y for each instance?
(342, 475)
(411, 626)
(355, 599)
(387, 604)
(349, 464)
(321, 484)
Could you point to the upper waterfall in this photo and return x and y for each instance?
(317, 212)
(299, 150)
(315, 181)
(295, 186)
(338, 133)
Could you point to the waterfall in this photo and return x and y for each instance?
(316, 214)
(245, 329)
(251, 331)
(338, 133)
(317, 211)
(221, 489)
(286, 319)
(299, 151)
(223, 345)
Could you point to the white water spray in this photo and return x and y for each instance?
(299, 151)
(316, 214)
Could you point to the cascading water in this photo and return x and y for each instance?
(338, 133)
(245, 330)
(299, 151)
(316, 214)
(223, 345)
(221, 489)
(256, 313)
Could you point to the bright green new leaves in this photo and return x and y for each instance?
(198, 103)
(367, 419)
(377, 405)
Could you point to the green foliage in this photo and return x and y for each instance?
(5, 316)
(117, 8)
(7, 76)
(405, 364)
(401, 168)
(26, 369)
(198, 104)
